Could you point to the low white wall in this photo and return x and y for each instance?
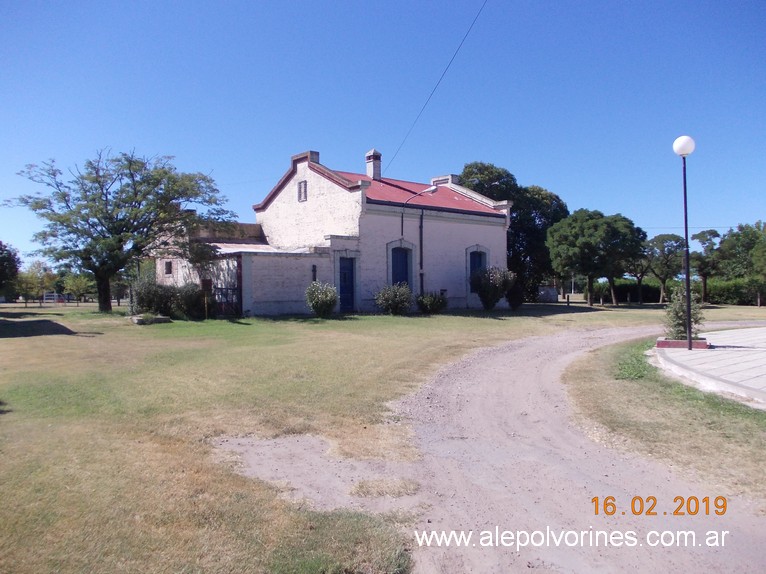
(278, 282)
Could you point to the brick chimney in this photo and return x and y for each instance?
(372, 158)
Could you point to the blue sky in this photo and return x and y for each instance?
(583, 98)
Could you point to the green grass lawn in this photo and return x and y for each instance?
(104, 459)
(636, 407)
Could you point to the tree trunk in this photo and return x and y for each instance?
(639, 281)
(615, 302)
(104, 294)
(704, 288)
(590, 291)
(662, 291)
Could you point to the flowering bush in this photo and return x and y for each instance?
(431, 303)
(395, 299)
(491, 284)
(321, 298)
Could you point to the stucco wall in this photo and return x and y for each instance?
(328, 210)
(276, 284)
(223, 272)
(447, 240)
(181, 273)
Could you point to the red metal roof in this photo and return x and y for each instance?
(398, 192)
(386, 191)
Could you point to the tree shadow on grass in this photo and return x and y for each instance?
(307, 319)
(3, 410)
(526, 310)
(537, 310)
(38, 328)
(4, 314)
(234, 321)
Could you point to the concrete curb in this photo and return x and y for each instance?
(754, 397)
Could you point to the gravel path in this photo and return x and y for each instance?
(500, 451)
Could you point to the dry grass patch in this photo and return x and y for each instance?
(393, 487)
(104, 462)
(634, 406)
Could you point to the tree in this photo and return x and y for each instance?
(638, 267)
(9, 266)
(78, 285)
(675, 315)
(758, 256)
(534, 210)
(574, 244)
(118, 209)
(489, 180)
(705, 262)
(759, 260)
(36, 281)
(595, 245)
(665, 251)
(120, 287)
(735, 251)
(26, 286)
(620, 243)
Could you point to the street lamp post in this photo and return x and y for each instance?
(684, 146)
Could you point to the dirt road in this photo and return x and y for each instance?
(500, 453)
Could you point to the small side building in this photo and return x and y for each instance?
(357, 231)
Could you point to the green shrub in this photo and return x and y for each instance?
(515, 296)
(491, 284)
(395, 299)
(734, 292)
(675, 315)
(431, 303)
(150, 297)
(189, 303)
(321, 298)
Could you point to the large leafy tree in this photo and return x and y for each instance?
(705, 262)
(666, 253)
(534, 210)
(595, 245)
(9, 265)
(620, 244)
(118, 209)
(736, 248)
(575, 246)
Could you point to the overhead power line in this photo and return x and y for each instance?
(420, 113)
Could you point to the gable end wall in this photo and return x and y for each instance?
(329, 209)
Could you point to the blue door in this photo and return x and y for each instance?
(477, 262)
(346, 284)
(400, 265)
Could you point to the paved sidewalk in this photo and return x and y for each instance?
(735, 363)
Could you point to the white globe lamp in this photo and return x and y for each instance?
(683, 146)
